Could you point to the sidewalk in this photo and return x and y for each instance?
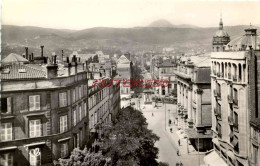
(188, 155)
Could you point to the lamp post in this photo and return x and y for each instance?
(165, 110)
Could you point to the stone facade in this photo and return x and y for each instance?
(194, 101)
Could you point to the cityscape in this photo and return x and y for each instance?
(160, 95)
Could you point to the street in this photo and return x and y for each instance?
(168, 143)
(167, 147)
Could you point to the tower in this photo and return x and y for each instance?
(220, 39)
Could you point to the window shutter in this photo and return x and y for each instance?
(9, 104)
(60, 100)
(37, 102)
(31, 103)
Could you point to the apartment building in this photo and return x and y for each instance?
(234, 102)
(254, 114)
(104, 105)
(48, 110)
(164, 68)
(194, 102)
(124, 72)
(43, 112)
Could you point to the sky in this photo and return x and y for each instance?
(82, 14)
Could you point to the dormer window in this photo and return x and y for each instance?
(21, 71)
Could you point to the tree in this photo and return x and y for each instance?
(95, 59)
(89, 60)
(129, 142)
(83, 158)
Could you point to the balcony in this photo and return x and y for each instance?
(215, 112)
(229, 76)
(219, 134)
(230, 120)
(217, 94)
(230, 99)
(235, 101)
(221, 75)
(235, 124)
(235, 78)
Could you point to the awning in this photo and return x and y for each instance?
(193, 134)
(235, 141)
(215, 141)
(243, 161)
(231, 134)
(35, 144)
(64, 139)
(213, 159)
(231, 155)
(8, 148)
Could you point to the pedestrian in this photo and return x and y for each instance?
(152, 114)
(181, 163)
(171, 130)
(179, 142)
(178, 153)
(170, 121)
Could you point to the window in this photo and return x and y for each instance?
(34, 102)
(92, 121)
(255, 154)
(35, 157)
(76, 140)
(6, 105)
(235, 120)
(63, 123)
(6, 159)
(6, 131)
(235, 97)
(80, 113)
(63, 99)
(35, 128)
(80, 92)
(81, 137)
(95, 118)
(75, 117)
(85, 109)
(64, 150)
(73, 95)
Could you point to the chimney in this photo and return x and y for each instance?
(62, 55)
(42, 50)
(32, 58)
(26, 53)
(74, 65)
(52, 68)
(67, 64)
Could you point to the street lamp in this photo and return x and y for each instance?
(165, 109)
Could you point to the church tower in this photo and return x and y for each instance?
(220, 39)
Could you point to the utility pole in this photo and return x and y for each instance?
(165, 114)
(199, 149)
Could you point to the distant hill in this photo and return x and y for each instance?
(164, 23)
(116, 38)
(161, 23)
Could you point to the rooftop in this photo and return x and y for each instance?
(14, 58)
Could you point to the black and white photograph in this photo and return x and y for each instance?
(130, 83)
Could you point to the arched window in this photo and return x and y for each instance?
(239, 72)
